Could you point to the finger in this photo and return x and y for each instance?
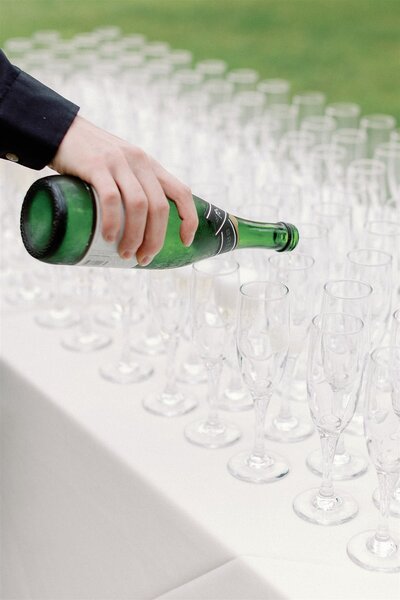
(110, 202)
(182, 197)
(157, 217)
(135, 207)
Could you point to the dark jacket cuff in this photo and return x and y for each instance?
(33, 121)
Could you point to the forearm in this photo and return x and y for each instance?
(33, 118)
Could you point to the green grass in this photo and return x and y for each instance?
(349, 49)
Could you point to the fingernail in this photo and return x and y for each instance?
(189, 241)
(127, 254)
(146, 260)
(110, 237)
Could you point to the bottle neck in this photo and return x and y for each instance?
(276, 236)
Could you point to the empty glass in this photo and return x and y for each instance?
(335, 363)
(276, 91)
(336, 217)
(378, 129)
(214, 297)
(296, 271)
(168, 291)
(366, 178)
(243, 79)
(346, 114)
(293, 154)
(309, 104)
(211, 68)
(374, 267)
(351, 297)
(321, 126)
(394, 506)
(85, 338)
(389, 154)
(380, 550)
(58, 315)
(353, 141)
(262, 344)
(125, 287)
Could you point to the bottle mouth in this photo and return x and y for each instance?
(293, 237)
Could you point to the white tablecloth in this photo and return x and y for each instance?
(102, 500)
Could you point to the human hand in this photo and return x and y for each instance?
(123, 173)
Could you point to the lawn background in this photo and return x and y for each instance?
(349, 49)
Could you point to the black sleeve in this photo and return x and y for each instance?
(33, 117)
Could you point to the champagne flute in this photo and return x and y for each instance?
(394, 506)
(376, 268)
(346, 114)
(335, 363)
(379, 550)
(58, 315)
(262, 343)
(378, 129)
(214, 296)
(168, 292)
(296, 271)
(351, 297)
(125, 286)
(85, 338)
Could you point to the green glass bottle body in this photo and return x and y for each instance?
(61, 224)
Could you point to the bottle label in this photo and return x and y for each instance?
(101, 253)
(225, 228)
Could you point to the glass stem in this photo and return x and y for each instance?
(86, 287)
(213, 376)
(172, 346)
(285, 412)
(260, 410)
(387, 482)
(58, 303)
(328, 446)
(340, 449)
(126, 332)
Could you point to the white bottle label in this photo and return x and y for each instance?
(105, 254)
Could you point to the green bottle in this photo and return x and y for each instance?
(61, 224)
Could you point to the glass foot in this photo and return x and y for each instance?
(312, 507)
(88, 342)
(247, 467)
(149, 344)
(293, 429)
(55, 318)
(394, 506)
(124, 373)
(347, 466)
(366, 551)
(168, 405)
(212, 435)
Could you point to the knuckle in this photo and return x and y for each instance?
(131, 238)
(110, 199)
(139, 203)
(163, 209)
(138, 155)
